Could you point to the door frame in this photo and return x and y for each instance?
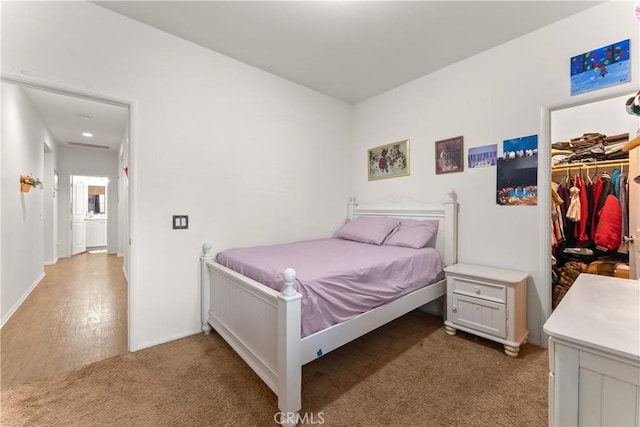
(544, 185)
(131, 105)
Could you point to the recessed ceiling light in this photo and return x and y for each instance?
(84, 116)
(87, 134)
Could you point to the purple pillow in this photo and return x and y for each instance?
(413, 233)
(367, 229)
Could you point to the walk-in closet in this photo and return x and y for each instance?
(590, 192)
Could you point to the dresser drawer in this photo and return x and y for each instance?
(479, 288)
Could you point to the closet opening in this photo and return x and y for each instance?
(590, 204)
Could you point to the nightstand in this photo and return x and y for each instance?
(488, 302)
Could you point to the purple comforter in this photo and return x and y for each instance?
(338, 279)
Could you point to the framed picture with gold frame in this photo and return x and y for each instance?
(389, 160)
(449, 155)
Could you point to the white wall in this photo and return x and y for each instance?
(231, 146)
(22, 153)
(493, 96)
(607, 117)
(87, 162)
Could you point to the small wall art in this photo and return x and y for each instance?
(389, 161)
(517, 172)
(449, 155)
(483, 156)
(602, 67)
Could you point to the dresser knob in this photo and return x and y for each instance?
(454, 308)
(477, 290)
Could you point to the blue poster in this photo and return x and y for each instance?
(606, 66)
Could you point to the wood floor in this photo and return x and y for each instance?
(75, 316)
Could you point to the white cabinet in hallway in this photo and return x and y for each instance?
(96, 232)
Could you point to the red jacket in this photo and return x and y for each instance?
(609, 229)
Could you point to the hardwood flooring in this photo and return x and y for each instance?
(75, 316)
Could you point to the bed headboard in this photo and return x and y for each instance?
(446, 240)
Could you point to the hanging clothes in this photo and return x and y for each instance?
(584, 211)
(573, 212)
(588, 235)
(568, 225)
(615, 181)
(557, 228)
(597, 190)
(607, 189)
(609, 232)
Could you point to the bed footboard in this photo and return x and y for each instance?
(259, 323)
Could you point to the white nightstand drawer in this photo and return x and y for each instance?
(481, 315)
(479, 289)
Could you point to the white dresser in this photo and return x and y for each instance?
(488, 302)
(594, 354)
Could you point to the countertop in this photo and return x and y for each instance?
(600, 312)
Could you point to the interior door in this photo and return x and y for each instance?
(634, 213)
(79, 196)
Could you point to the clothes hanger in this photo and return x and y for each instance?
(595, 175)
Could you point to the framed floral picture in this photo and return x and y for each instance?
(449, 155)
(389, 161)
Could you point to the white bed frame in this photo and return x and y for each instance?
(263, 325)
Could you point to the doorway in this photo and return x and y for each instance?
(89, 218)
(606, 115)
(113, 202)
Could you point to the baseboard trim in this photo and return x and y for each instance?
(17, 305)
(52, 262)
(167, 339)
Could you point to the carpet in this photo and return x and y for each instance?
(408, 372)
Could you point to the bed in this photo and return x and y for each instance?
(264, 325)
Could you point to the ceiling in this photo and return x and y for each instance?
(349, 50)
(68, 117)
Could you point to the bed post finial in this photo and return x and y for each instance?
(351, 206)
(289, 280)
(451, 228)
(207, 250)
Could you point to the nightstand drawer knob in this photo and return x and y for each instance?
(454, 308)
(477, 290)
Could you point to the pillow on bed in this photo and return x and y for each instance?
(413, 233)
(367, 229)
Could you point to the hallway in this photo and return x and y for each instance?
(75, 316)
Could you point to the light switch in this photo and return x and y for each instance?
(180, 222)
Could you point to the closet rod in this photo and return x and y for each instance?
(590, 165)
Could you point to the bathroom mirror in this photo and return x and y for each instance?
(97, 202)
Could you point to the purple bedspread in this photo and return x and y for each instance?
(337, 278)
